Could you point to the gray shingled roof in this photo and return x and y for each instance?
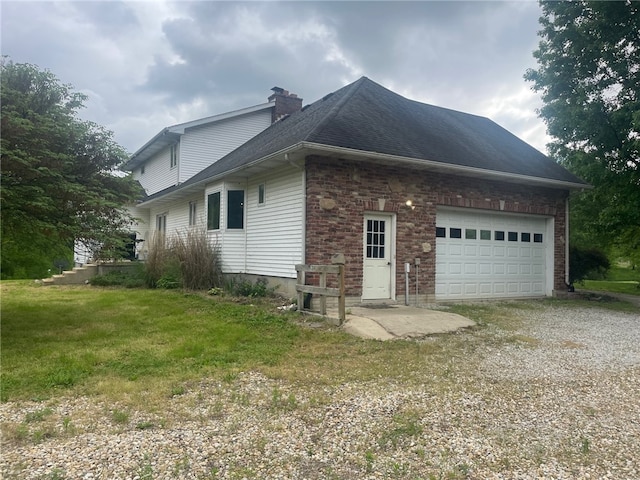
(367, 117)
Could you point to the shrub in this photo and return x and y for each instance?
(587, 263)
(157, 259)
(130, 278)
(199, 262)
(244, 288)
(185, 260)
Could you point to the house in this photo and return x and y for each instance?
(178, 152)
(467, 208)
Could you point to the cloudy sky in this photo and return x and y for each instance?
(146, 65)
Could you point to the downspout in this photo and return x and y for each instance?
(304, 216)
(246, 221)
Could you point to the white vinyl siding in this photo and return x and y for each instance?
(158, 173)
(198, 148)
(178, 215)
(203, 146)
(271, 242)
(233, 251)
(275, 229)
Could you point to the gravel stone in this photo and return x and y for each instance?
(559, 400)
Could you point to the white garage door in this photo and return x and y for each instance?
(490, 255)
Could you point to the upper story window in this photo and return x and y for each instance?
(174, 155)
(213, 211)
(142, 170)
(261, 194)
(235, 209)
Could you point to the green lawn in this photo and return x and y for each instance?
(619, 280)
(124, 343)
(141, 346)
(62, 337)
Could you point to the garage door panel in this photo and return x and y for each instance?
(470, 268)
(454, 268)
(513, 288)
(471, 289)
(497, 255)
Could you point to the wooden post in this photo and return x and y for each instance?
(300, 281)
(323, 298)
(338, 259)
(337, 268)
(341, 300)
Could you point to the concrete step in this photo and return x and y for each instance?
(76, 276)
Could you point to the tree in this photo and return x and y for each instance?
(59, 174)
(589, 77)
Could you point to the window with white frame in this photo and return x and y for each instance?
(161, 223)
(261, 194)
(192, 213)
(235, 209)
(213, 211)
(174, 155)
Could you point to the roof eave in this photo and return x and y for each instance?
(383, 158)
(161, 139)
(445, 167)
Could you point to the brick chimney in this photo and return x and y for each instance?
(286, 103)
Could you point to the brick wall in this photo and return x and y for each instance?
(340, 192)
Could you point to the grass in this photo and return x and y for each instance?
(619, 280)
(93, 340)
(135, 351)
(141, 347)
(138, 348)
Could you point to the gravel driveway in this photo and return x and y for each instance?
(559, 398)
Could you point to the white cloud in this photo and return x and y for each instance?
(146, 65)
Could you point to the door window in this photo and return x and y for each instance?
(375, 238)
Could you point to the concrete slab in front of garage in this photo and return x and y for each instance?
(388, 322)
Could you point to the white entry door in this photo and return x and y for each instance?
(378, 257)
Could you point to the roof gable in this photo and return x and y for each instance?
(170, 135)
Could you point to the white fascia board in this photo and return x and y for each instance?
(447, 167)
(362, 154)
(181, 127)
